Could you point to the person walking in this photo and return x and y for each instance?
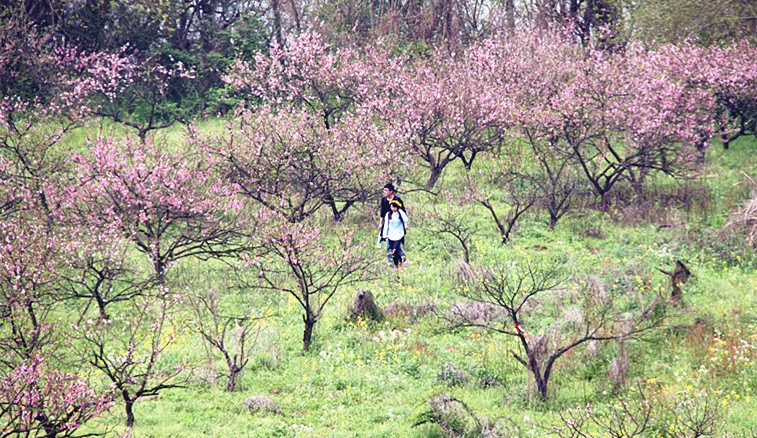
(394, 229)
(390, 195)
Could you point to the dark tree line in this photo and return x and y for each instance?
(204, 35)
(207, 35)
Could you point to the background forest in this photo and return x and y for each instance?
(189, 202)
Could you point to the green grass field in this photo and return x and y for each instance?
(375, 378)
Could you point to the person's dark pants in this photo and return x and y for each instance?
(394, 253)
(389, 250)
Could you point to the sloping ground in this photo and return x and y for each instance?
(743, 221)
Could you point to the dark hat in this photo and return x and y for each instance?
(389, 186)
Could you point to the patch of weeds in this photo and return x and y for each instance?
(452, 375)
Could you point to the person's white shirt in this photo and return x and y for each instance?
(393, 228)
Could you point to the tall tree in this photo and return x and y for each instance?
(127, 349)
(452, 24)
(302, 261)
(165, 201)
(315, 137)
(589, 21)
(527, 294)
(699, 20)
(446, 110)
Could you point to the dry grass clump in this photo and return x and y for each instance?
(475, 312)
(452, 375)
(261, 403)
(743, 221)
(412, 313)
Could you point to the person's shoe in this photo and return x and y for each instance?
(404, 259)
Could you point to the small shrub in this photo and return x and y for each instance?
(484, 378)
(452, 375)
(453, 417)
(261, 403)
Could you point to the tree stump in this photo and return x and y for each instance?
(364, 306)
(679, 276)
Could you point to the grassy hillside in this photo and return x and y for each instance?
(379, 378)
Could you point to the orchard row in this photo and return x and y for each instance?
(93, 219)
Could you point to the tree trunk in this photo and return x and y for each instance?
(436, 172)
(51, 431)
(510, 16)
(553, 218)
(541, 382)
(541, 386)
(160, 271)
(277, 34)
(101, 304)
(338, 214)
(231, 385)
(130, 413)
(604, 202)
(310, 321)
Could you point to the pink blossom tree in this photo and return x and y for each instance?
(42, 99)
(40, 400)
(37, 396)
(524, 71)
(313, 141)
(614, 116)
(102, 271)
(289, 162)
(662, 123)
(136, 94)
(728, 73)
(128, 348)
(443, 110)
(303, 261)
(30, 267)
(305, 72)
(163, 199)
